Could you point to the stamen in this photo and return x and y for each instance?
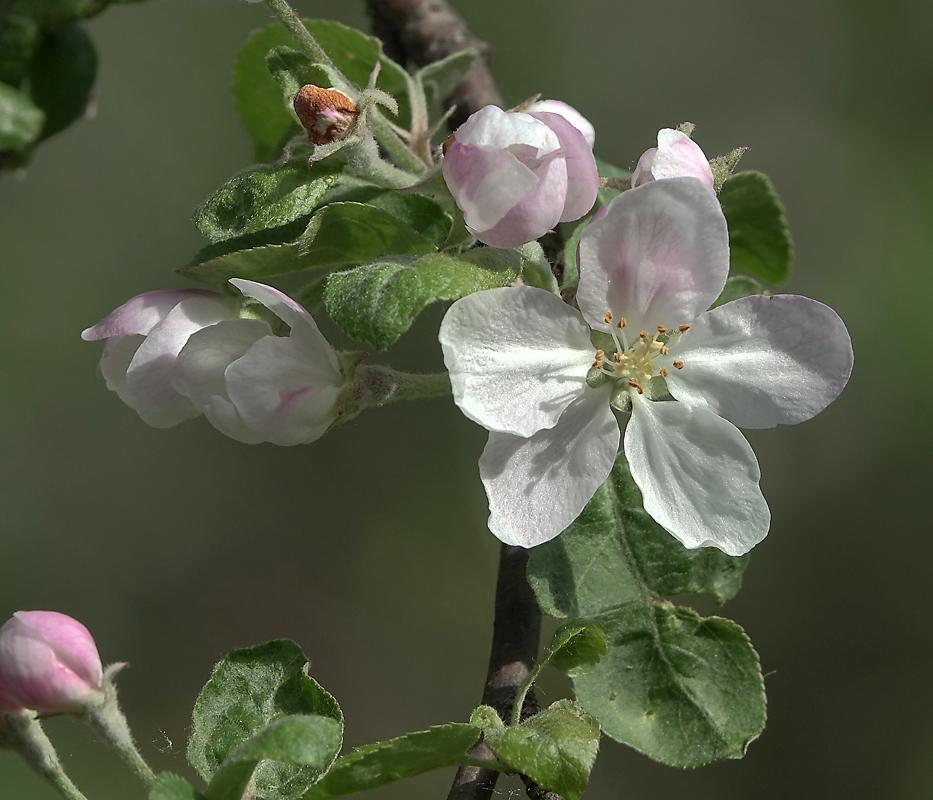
(662, 329)
(636, 385)
(678, 365)
(622, 322)
(683, 328)
(607, 317)
(600, 354)
(664, 372)
(643, 334)
(617, 357)
(663, 349)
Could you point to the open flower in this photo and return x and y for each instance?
(48, 662)
(676, 156)
(173, 355)
(545, 379)
(516, 175)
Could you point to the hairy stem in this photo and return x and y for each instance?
(515, 634)
(26, 735)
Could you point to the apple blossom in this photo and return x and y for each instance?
(7, 704)
(48, 662)
(676, 156)
(173, 355)
(569, 113)
(546, 379)
(516, 175)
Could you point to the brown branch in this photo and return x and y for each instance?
(423, 31)
(515, 634)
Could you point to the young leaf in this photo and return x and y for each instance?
(266, 196)
(61, 75)
(441, 78)
(376, 765)
(556, 748)
(293, 752)
(577, 648)
(338, 235)
(20, 120)
(291, 70)
(737, 287)
(377, 303)
(759, 239)
(256, 95)
(172, 787)
(249, 690)
(682, 689)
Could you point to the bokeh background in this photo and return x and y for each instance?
(369, 547)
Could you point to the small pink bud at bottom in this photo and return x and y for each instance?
(48, 662)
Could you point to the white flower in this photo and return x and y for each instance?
(569, 113)
(676, 156)
(520, 358)
(177, 354)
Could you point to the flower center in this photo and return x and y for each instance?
(635, 363)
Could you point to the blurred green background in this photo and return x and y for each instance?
(369, 547)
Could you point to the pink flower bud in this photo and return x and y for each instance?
(7, 705)
(516, 175)
(48, 662)
(676, 156)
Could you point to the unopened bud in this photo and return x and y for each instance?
(48, 662)
(326, 114)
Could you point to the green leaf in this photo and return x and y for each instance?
(441, 78)
(281, 761)
(266, 196)
(556, 748)
(20, 120)
(338, 235)
(172, 787)
(249, 690)
(257, 96)
(681, 689)
(376, 765)
(291, 70)
(571, 275)
(737, 287)
(577, 648)
(377, 303)
(607, 170)
(19, 37)
(61, 76)
(759, 239)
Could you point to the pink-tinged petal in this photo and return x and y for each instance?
(142, 313)
(676, 156)
(8, 705)
(225, 417)
(292, 313)
(116, 358)
(763, 361)
(149, 388)
(536, 214)
(493, 127)
(284, 390)
(582, 174)
(570, 114)
(539, 485)
(486, 183)
(517, 356)
(698, 476)
(48, 661)
(660, 256)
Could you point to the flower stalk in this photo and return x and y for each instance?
(24, 733)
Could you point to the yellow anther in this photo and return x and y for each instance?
(622, 322)
(663, 349)
(664, 372)
(643, 334)
(662, 329)
(636, 385)
(617, 357)
(678, 365)
(683, 328)
(607, 317)
(600, 354)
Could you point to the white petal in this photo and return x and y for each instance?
(763, 361)
(284, 390)
(493, 127)
(538, 486)
(570, 114)
(676, 156)
(223, 415)
(292, 313)
(115, 360)
(659, 256)
(698, 476)
(582, 174)
(149, 386)
(142, 313)
(517, 356)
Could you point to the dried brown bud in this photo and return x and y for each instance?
(326, 114)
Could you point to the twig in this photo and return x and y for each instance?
(515, 634)
(429, 30)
